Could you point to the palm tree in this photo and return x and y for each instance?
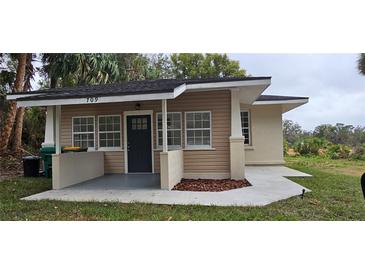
(29, 73)
(66, 69)
(12, 109)
(361, 63)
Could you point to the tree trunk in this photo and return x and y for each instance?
(18, 129)
(20, 112)
(12, 110)
(53, 82)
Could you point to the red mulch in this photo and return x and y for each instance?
(210, 185)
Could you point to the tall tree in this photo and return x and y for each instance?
(159, 66)
(361, 63)
(7, 79)
(18, 130)
(12, 109)
(198, 65)
(66, 69)
(292, 131)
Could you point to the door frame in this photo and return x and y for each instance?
(136, 113)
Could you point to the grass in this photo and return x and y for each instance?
(335, 196)
(341, 166)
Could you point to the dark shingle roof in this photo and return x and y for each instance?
(127, 88)
(279, 98)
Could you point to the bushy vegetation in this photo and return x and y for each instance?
(310, 146)
(332, 141)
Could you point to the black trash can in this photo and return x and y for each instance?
(31, 166)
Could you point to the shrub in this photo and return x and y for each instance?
(286, 147)
(338, 151)
(310, 146)
(358, 153)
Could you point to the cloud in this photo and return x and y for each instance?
(335, 88)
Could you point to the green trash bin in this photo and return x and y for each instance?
(46, 154)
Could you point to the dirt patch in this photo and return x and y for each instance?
(291, 152)
(10, 166)
(210, 185)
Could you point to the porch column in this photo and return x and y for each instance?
(237, 141)
(49, 130)
(164, 126)
(58, 130)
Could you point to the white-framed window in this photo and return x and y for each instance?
(246, 126)
(109, 131)
(198, 129)
(83, 131)
(174, 129)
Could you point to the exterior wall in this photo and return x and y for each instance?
(266, 135)
(207, 161)
(172, 171)
(73, 168)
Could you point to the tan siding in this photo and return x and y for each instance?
(114, 162)
(218, 102)
(205, 161)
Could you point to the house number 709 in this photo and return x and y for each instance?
(91, 99)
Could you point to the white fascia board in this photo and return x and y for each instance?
(281, 102)
(100, 100)
(232, 84)
(14, 96)
(179, 90)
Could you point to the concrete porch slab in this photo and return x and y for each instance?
(268, 185)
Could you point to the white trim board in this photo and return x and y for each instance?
(100, 100)
(125, 145)
(277, 102)
(228, 84)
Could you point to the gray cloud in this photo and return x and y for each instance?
(335, 88)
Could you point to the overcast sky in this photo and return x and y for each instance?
(335, 88)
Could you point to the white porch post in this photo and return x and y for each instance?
(58, 130)
(164, 126)
(237, 141)
(50, 130)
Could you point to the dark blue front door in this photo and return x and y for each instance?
(139, 143)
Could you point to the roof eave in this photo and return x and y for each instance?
(286, 105)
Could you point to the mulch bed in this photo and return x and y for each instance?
(210, 185)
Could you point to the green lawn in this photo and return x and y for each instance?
(335, 196)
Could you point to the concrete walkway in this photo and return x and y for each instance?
(268, 185)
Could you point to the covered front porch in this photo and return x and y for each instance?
(74, 168)
(269, 184)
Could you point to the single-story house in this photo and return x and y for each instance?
(200, 128)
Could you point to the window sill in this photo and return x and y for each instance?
(199, 148)
(110, 149)
(248, 147)
(187, 149)
(170, 148)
